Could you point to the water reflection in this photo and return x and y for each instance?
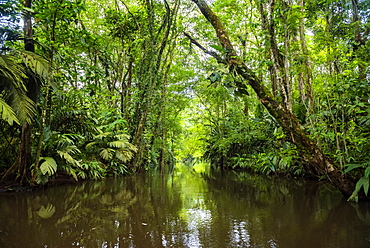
(184, 210)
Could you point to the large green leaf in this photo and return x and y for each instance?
(363, 182)
(49, 166)
(24, 107)
(367, 172)
(351, 167)
(12, 76)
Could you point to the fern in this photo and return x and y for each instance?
(122, 136)
(91, 145)
(102, 135)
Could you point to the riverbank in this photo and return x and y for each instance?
(11, 186)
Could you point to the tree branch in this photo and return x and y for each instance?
(317, 163)
(213, 54)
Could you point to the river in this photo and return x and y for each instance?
(185, 209)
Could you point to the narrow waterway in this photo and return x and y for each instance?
(184, 210)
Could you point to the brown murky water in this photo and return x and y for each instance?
(184, 210)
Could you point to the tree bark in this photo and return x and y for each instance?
(317, 164)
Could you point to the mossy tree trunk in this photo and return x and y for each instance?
(317, 164)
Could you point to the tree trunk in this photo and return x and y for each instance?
(20, 168)
(317, 164)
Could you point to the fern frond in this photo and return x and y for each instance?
(13, 76)
(131, 147)
(72, 149)
(73, 174)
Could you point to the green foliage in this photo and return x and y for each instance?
(363, 182)
(7, 113)
(48, 168)
(35, 62)
(130, 92)
(15, 105)
(113, 148)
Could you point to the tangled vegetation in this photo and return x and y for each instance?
(99, 88)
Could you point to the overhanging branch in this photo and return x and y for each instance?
(213, 54)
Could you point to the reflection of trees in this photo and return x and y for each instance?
(287, 213)
(216, 210)
(92, 214)
(68, 215)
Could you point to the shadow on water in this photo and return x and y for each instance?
(185, 209)
(290, 212)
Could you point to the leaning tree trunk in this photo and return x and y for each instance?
(317, 164)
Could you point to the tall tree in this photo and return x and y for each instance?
(317, 163)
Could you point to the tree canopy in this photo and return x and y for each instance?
(98, 88)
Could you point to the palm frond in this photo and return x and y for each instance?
(90, 145)
(38, 64)
(14, 90)
(106, 153)
(119, 143)
(122, 136)
(23, 106)
(102, 135)
(66, 142)
(72, 149)
(7, 113)
(124, 156)
(11, 70)
(131, 147)
(67, 156)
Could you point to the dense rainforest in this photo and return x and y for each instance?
(90, 89)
